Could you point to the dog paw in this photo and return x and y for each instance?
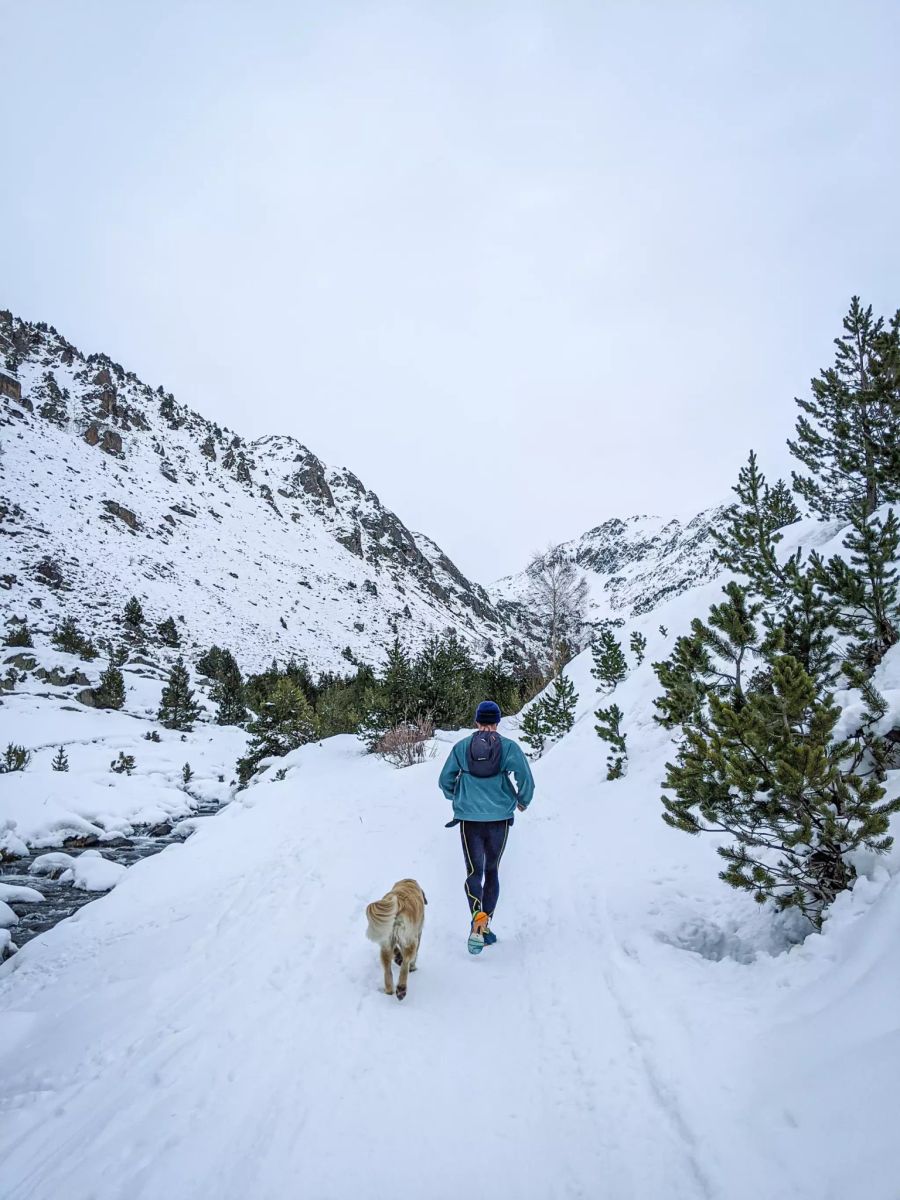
(389, 991)
(401, 993)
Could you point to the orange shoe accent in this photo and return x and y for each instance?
(479, 922)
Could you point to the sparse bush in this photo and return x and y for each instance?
(19, 635)
(152, 736)
(60, 761)
(186, 774)
(168, 632)
(15, 758)
(123, 765)
(406, 744)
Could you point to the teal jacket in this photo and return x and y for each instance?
(492, 799)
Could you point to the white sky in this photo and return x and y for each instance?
(520, 266)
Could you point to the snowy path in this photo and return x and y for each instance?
(214, 1028)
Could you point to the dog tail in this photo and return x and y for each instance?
(381, 915)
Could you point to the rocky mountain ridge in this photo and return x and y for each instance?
(109, 487)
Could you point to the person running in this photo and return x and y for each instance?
(486, 778)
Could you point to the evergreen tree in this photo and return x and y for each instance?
(770, 774)
(560, 703)
(749, 533)
(168, 632)
(445, 680)
(285, 722)
(610, 666)
(638, 646)
(228, 692)
(187, 774)
(133, 614)
(15, 758)
(534, 728)
(123, 764)
(848, 433)
(609, 729)
(212, 661)
(865, 590)
(66, 636)
(177, 709)
(18, 635)
(60, 760)
(110, 691)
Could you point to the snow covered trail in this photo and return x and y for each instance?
(214, 1027)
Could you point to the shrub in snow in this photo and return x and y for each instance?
(407, 743)
(610, 666)
(123, 765)
(533, 728)
(177, 709)
(638, 646)
(151, 736)
(60, 761)
(133, 614)
(609, 721)
(110, 691)
(560, 703)
(15, 758)
(168, 632)
(68, 638)
(186, 774)
(18, 635)
(285, 722)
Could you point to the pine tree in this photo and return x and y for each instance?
(110, 691)
(168, 632)
(285, 722)
(123, 764)
(14, 758)
(560, 703)
(228, 693)
(133, 614)
(19, 635)
(177, 709)
(609, 729)
(848, 433)
(60, 760)
(746, 541)
(534, 728)
(187, 774)
(66, 636)
(638, 646)
(865, 590)
(770, 774)
(610, 666)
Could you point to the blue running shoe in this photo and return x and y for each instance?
(477, 932)
(489, 937)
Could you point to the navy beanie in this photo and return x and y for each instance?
(487, 713)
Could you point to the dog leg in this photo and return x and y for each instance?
(398, 957)
(414, 965)
(408, 955)
(388, 973)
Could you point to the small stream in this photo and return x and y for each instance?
(62, 899)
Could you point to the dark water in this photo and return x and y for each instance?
(62, 899)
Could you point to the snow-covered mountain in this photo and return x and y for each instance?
(632, 564)
(109, 487)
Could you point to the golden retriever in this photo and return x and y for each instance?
(395, 923)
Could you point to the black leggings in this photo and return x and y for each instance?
(483, 843)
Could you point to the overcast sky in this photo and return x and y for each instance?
(520, 266)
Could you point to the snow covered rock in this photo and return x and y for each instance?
(91, 872)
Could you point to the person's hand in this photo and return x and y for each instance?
(520, 807)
